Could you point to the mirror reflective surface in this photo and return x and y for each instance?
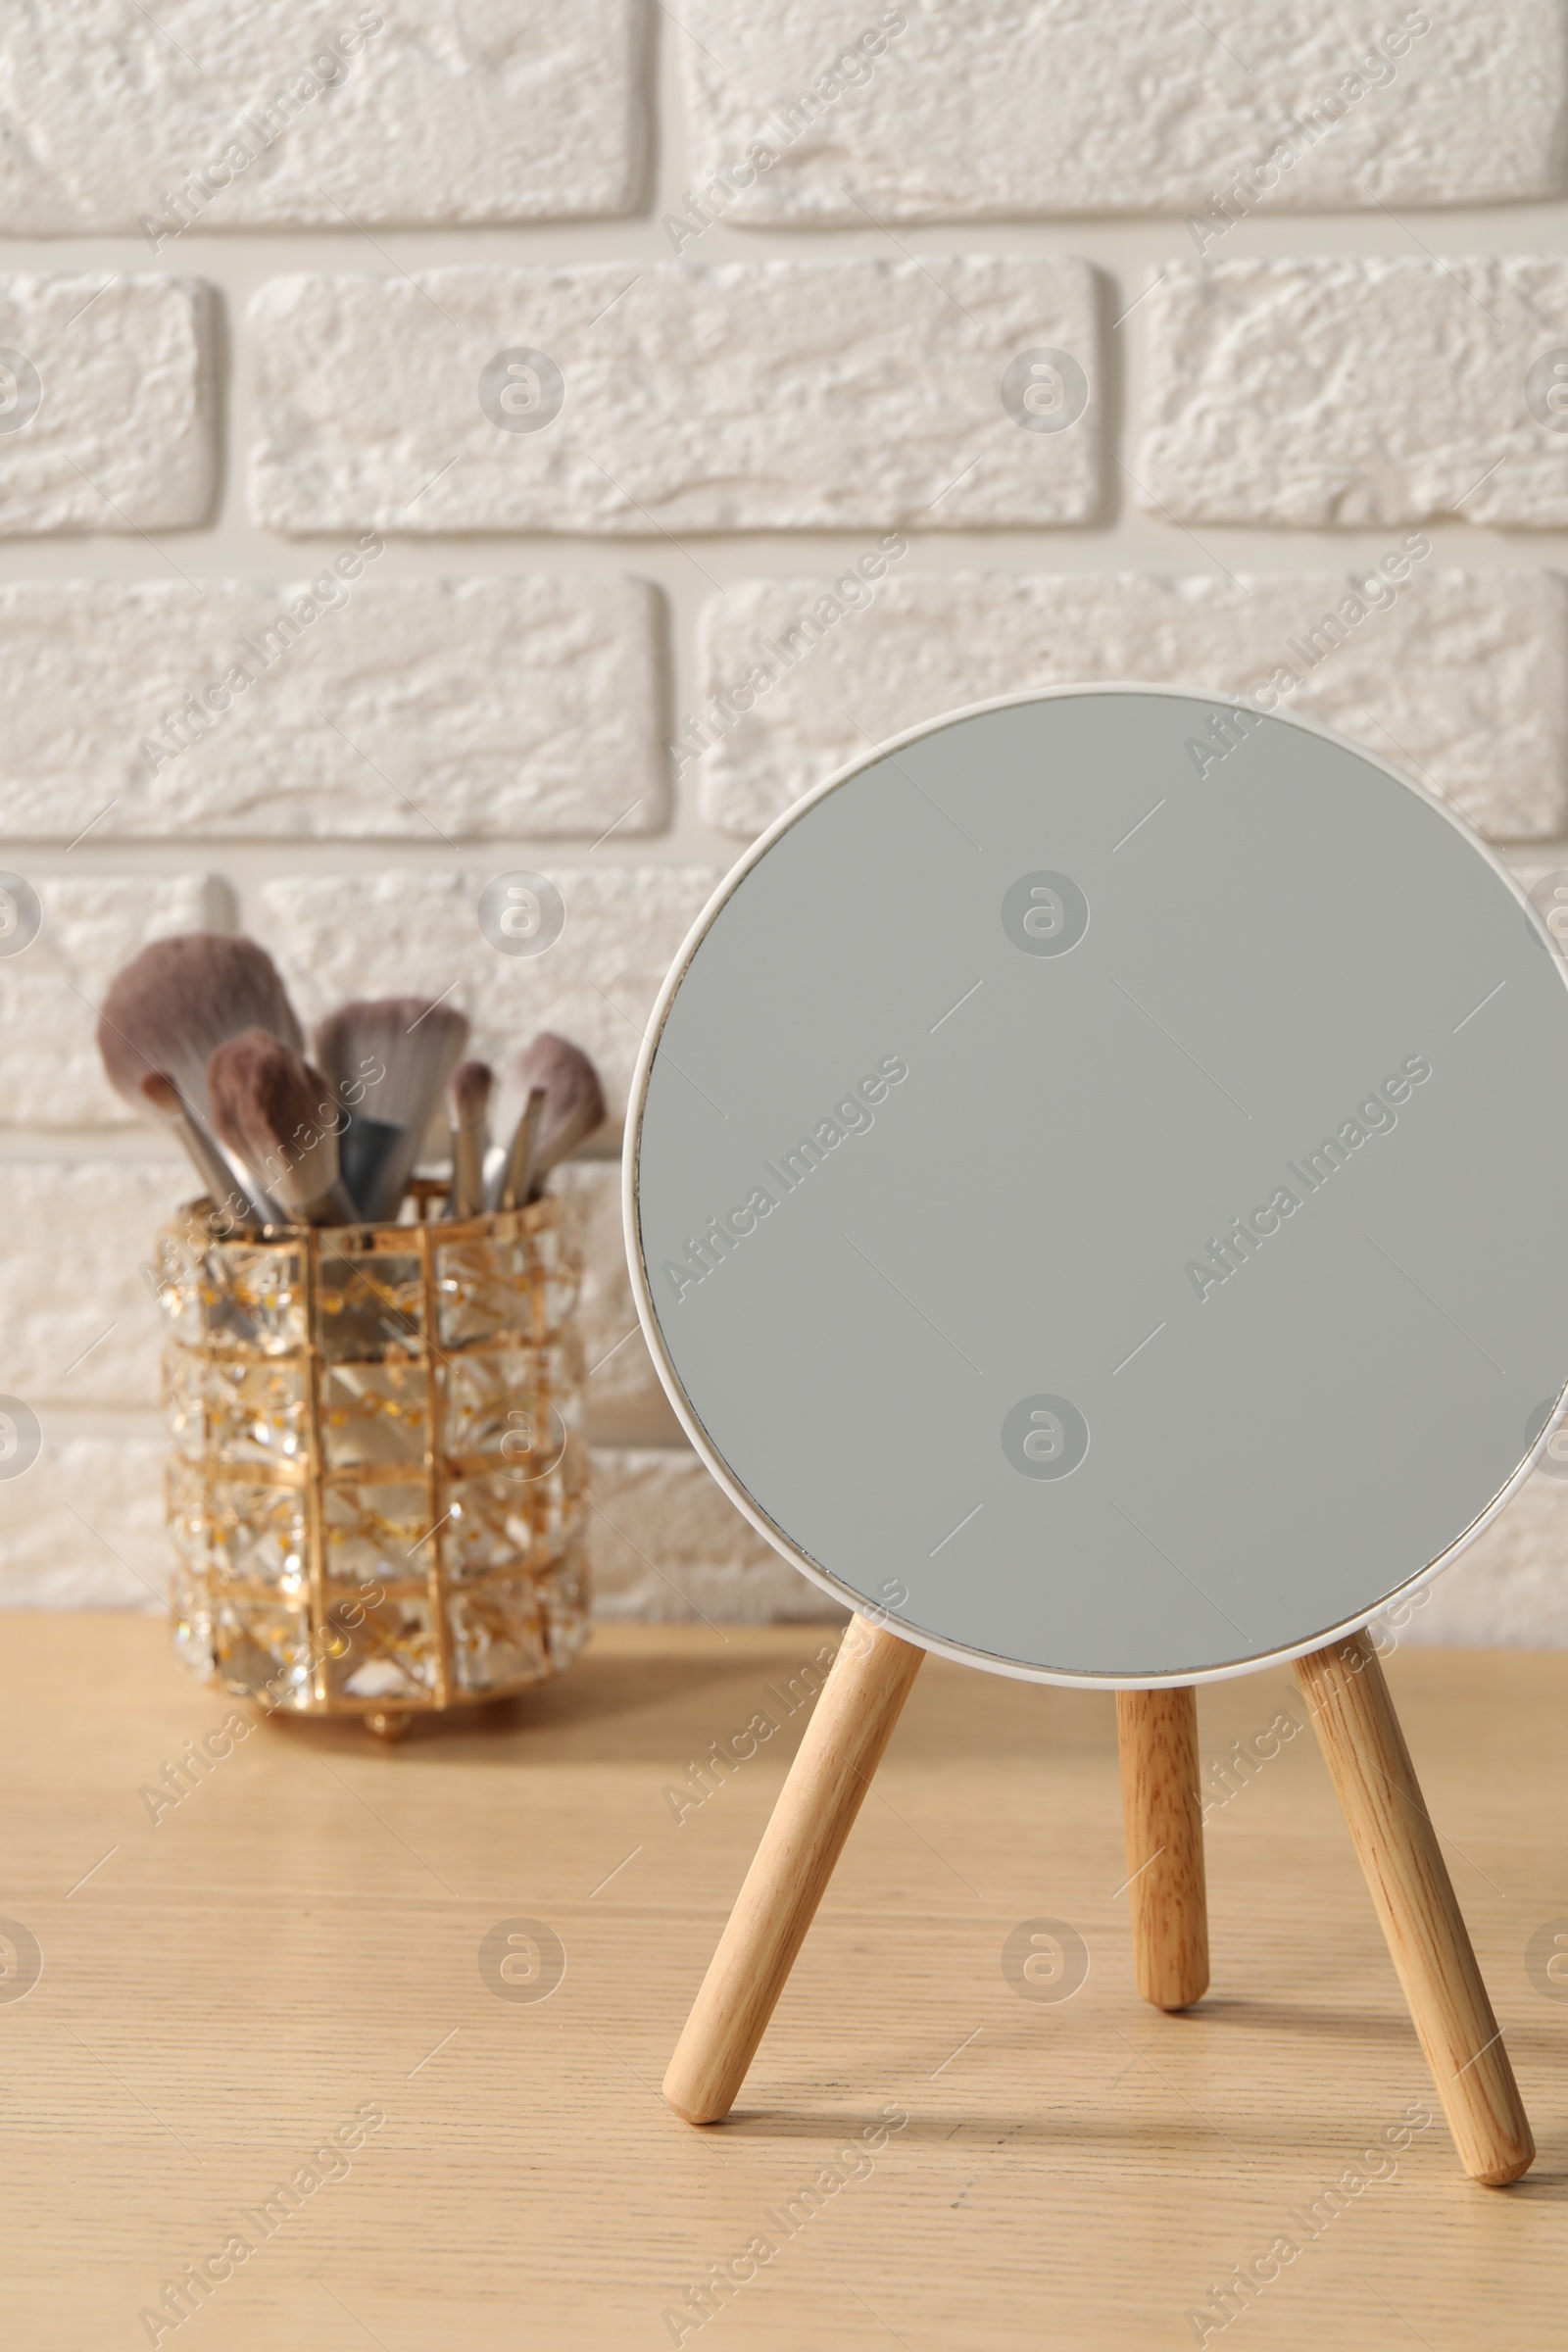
(1098, 1182)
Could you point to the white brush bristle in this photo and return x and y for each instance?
(390, 1058)
(401, 1051)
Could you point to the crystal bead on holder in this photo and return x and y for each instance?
(378, 1484)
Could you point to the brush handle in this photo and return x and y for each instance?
(560, 1145)
(335, 1207)
(516, 1176)
(217, 1177)
(393, 1181)
(363, 1151)
(225, 1183)
(466, 1196)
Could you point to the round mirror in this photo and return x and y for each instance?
(1095, 1179)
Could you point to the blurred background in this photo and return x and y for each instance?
(665, 405)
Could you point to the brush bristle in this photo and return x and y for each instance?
(345, 1041)
(163, 1094)
(575, 1101)
(471, 1082)
(177, 1001)
(417, 1044)
(390, 1058)
(272, 1109)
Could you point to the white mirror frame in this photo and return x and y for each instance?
(714, 1462)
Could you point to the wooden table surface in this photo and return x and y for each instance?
(292, 1950)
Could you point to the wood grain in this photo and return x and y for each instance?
(1164, 1823)
(300, 1935)
(828, 1783)
(1419, 1913)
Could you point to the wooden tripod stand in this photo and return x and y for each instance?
(1384, 1809)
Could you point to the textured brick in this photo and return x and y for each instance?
(81, 1326)
(1511, 1586)
(436, 114)
(84, 1529)
(50, 1074)
(436, 709)
(667, 1542)
(1360, 392)
(1457, 677)
(993, 110)
(116, 372)
(342, 936)
(751, 395)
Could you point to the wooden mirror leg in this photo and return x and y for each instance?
(1409, 1879)
(1157, 1731)
(852, 1724)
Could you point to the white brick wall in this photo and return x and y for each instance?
(747, 396)
(110, 377)
(50, 1074)
(292, 116)
(1303, 266)
(992, 112)
(84, 1529)
(1353, 391)
(1460, 679)
(432, 708)
(88, 1334)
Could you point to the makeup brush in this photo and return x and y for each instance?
(180, 1000)
(573, 1106)
(217, 1177)
(357, 1076)
(516, 1173)
(273, 1109)
(471, 1082)
(175, 1003)
(389, 1061)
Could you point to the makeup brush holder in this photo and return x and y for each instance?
(377, 1488)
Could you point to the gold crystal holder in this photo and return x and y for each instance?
(377, 1489)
